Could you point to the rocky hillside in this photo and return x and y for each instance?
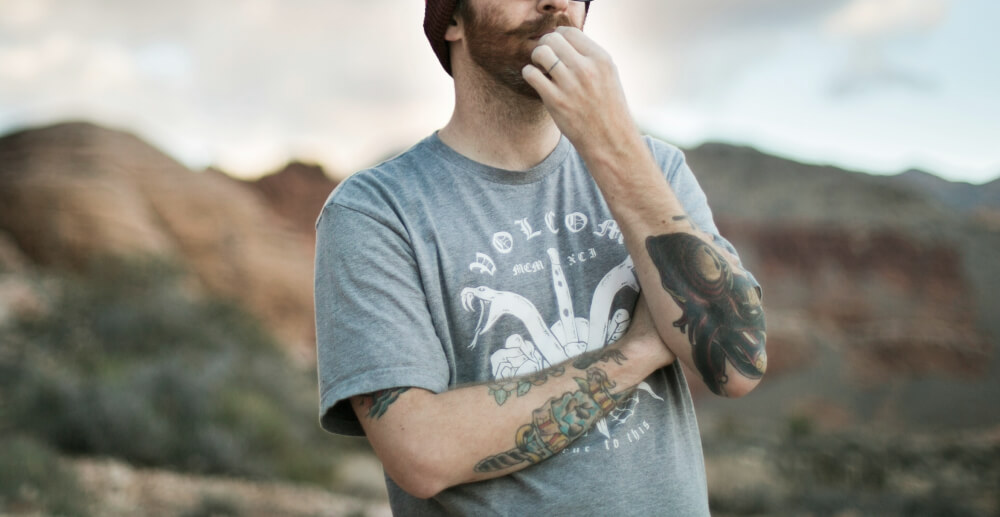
(76, 192)
(297, 192)
(881, 294)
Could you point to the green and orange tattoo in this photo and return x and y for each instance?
(559, 422)
(501, 390)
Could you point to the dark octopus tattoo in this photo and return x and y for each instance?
(501, 391)
(722, 314)
(558, 422)
(381, 400)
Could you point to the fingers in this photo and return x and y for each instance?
(580, 42)
(546, 59)
(536, 78)
(551, 69)
(561, 48)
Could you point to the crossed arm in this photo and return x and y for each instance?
(428, 442)
(704, 305)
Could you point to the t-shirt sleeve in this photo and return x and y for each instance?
(685, 186)
(373, 327)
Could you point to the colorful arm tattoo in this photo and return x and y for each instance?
(381, 400)
(722, 314)
(502, 389)
(558, 422)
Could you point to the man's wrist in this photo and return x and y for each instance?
(613, 155)
(648, 350)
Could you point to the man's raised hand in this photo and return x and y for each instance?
(578, 83)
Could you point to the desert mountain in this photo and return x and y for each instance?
(297, 192)
(76, 192)
(959, 196)
(881, 294)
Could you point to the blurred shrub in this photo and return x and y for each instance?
(33, 479)
(799, 427)
(215, 506)
(127, 363)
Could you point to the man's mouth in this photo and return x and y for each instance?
(539, 35)
(542, 26)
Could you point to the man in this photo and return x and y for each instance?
(473, 293)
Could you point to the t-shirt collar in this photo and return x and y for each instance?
(536, 173)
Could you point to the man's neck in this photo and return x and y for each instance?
(500, 128)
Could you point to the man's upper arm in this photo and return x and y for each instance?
(373, 327)
(685, 185)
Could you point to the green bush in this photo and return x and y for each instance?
(128, 364)
(32, 478)
(215, 506)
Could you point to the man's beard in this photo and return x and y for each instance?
(503, 54)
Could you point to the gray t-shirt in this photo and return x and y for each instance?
(435, 271)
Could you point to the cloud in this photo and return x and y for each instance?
(23, 14)
(870, 28)
(219, 80)
(882, 18)
(245, 84)
(869, 71)
(697, 51)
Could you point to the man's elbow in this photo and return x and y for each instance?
(418, 486)
(744, 378)
(416, 475)
(739, 386)
(743, 361)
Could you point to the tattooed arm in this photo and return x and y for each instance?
(428, 442)
(701, 299)
(705, 306)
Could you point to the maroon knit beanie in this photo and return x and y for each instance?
(437, 17)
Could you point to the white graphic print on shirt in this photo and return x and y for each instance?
(547, 345)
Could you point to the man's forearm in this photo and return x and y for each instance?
(428, 442)
(587, 103)
(703, 302)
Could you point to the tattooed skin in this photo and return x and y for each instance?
(558, 422)
(501, 391)
(381, 400)
(604, 355)
(722, 314)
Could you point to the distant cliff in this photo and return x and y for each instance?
(881, 293)
(76, 192)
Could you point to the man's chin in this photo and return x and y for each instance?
(521, 87)
(511, 80)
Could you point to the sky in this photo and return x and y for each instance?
(878, 86)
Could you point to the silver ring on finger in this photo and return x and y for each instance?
(554, 65)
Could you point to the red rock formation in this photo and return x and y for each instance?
(74, 192)
(297, 192)
(894, 304)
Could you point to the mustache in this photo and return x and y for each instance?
(547, 23)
